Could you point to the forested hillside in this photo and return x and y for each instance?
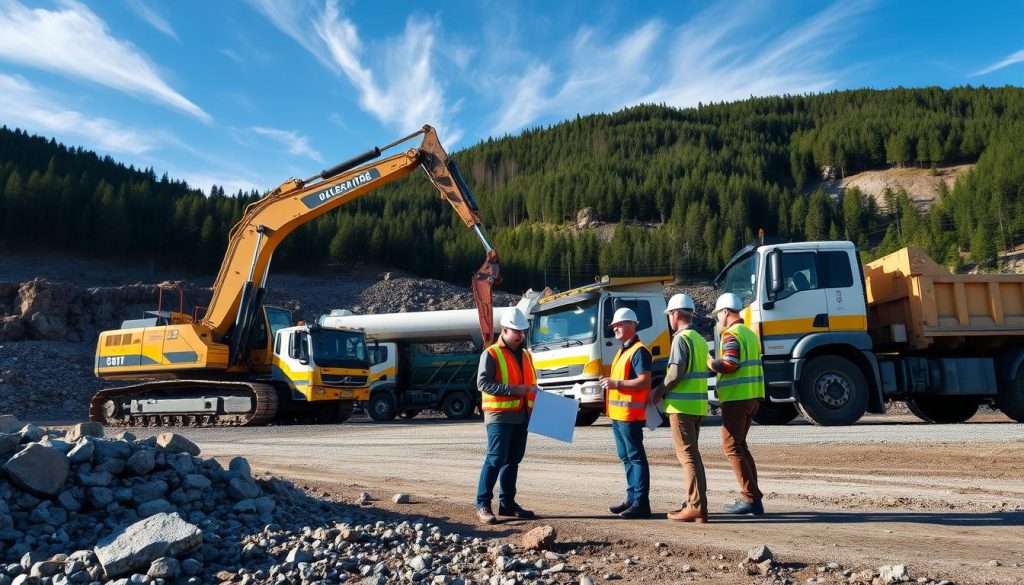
(686, 187)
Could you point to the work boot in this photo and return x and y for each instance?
(637, 510)
(516, 511)
(689, 514)
(755, 508)
(485, 515)
(620, 508)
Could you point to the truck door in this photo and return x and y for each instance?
(799, 309)
(383, 367)
(846, 310)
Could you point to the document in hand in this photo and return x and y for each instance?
(554, 416)
(653, 416)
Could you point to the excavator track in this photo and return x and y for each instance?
(112, 406)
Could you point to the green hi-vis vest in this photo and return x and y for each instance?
(748, 380)
(690, 393)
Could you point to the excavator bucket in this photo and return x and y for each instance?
(484, 281)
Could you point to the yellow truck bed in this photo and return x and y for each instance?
(913, 302)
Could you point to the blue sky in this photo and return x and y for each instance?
(246, 94)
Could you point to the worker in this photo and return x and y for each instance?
(627, 390)
(685, 392)
(508, 383)
(740, 391)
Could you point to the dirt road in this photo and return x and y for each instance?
(945, 500)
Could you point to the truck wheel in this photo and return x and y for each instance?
(1010, 399)
(382, 407)
(775, 413)
(344, 411)
(943, 410)
(585, 418)
(411, 413)
(833, 392)
(457, 405)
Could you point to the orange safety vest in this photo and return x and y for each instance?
(509, 372)
(626, 405)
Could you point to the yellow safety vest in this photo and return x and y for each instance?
(748, 380)
(626, 405)
(509, 372)
(690, 393)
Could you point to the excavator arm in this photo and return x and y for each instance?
(241, 281)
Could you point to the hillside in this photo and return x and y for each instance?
(684, 189)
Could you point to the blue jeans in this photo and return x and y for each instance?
(506, 445)
(629, 444)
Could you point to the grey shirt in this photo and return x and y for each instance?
(678, 361)
(485, 382)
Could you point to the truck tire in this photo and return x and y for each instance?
(344, 411)
(1010, 399)
(457, 405)
(585, 418)
(833, 392)
(943, 410)
(381, 407)
(775, 413)
(409, 413)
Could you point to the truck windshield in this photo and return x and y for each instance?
(569, 325)
(741, 278)
(339, 349)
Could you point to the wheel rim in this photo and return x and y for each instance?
(833, 390)
(380, 407)
(458, 406)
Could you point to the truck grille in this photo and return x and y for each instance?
(562, 372)
(343, 381)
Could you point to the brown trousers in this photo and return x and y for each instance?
(685, 432)
(737, 416)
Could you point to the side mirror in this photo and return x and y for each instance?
(775, 281)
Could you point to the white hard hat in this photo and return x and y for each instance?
(515, 319)
(728, 301)
(624, 314)
(680, 302)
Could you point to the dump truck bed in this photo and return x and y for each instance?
(913, 303)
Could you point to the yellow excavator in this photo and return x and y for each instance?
(244, 363)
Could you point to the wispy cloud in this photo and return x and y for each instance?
(25, 106)
(148, 13)
(400, 87)
(724, 53)
(1013, 59)
(297, 144)
(73, 41)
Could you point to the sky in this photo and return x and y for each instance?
(245, 94)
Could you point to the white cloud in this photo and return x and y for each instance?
(24, 106)
(400, 87)
(725, 53)
(148, 13)
(297, 144)
(1013, 59)
(73, 41)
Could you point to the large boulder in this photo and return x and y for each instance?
(176, 443)
(86, 429)
(38, 469)
(9, 424)
(540, 538)
(138, 545)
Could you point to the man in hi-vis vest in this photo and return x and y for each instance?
(627, 389)
(508, 383)
(740, 391)
(685, 392)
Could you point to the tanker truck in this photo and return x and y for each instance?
(409, 373)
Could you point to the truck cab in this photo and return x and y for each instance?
(572, 342)
(806, 302)
(407, 378)
(320, 364)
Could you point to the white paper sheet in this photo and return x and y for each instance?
(554, 416)
(653, 416)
